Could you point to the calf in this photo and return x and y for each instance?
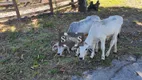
(83, 26)
(99, 32)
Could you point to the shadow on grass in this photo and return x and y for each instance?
(26, 46)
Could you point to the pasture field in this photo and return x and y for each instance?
(25, 48)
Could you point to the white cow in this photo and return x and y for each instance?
(82, 26)
(99, 32)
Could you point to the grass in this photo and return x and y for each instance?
(28, 56)
(44, 24)
(26, 49)
(118, 3)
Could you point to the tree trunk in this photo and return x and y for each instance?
(16, 9)
(51, 6)
(82, 6)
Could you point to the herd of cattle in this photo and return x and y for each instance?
(98, 31)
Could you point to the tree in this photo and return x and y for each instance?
(82, 5)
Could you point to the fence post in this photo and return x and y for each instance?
(16, 9)
(72, 5)
(40, 1)
(51, 6)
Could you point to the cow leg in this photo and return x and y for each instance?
(93, 52)
(103, 48)
(113, 41)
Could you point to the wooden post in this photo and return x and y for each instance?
(72, 0)
(40, 1)
(6, 6)
(16, 9)
(72, 5)
(51, 6)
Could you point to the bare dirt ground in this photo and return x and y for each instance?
(25, 48)
(30, 10)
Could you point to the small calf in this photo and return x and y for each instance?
(82, 26)
(99, 32)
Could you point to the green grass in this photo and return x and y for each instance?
(26, 53)
(45, 24)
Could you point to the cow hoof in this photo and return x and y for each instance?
(91, 57)
(103, 58)
(107, 54)
(76, 55)
(80, 58)
(114, 52)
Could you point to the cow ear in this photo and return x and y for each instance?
(55, 47)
